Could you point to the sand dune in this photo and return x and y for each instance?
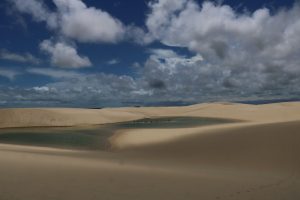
(76, 117)
(256, 158)
(264, 147)
(63, 117)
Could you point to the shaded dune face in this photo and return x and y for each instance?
(267, 146)
(96, 138)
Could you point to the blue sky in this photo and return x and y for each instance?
(92, 53)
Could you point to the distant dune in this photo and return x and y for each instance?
(77, 117)
(257, 157)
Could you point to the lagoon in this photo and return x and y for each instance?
(96, 137)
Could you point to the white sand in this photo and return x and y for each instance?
(255, 159)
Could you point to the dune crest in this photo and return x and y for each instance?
(76, 117)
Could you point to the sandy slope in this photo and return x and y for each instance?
(76, 117)
(255, 159)
(63, 117)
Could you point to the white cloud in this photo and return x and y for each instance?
(138, 35)
(23, 58)
(38, 10)
(113, 62)
(219, 33)
(246, 53)
(232, 56)
(162, 12)
(75, 20)
(169, 60)
(165, 76)
(8, 73)
(64, 55)
(87, 24)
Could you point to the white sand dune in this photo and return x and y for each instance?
(63, 117)
(256, 158)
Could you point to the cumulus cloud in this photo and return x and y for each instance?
(23, 58)
(246, 53)
(73, 19)
(170, 75)
(224, 55)
(87, 24)
(64, 55)
(8, 73)
(218, 32)
(165, 76)
(38, 10)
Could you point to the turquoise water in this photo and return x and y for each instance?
(95, 138)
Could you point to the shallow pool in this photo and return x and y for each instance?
(95, 137)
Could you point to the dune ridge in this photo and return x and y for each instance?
(28, 117)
